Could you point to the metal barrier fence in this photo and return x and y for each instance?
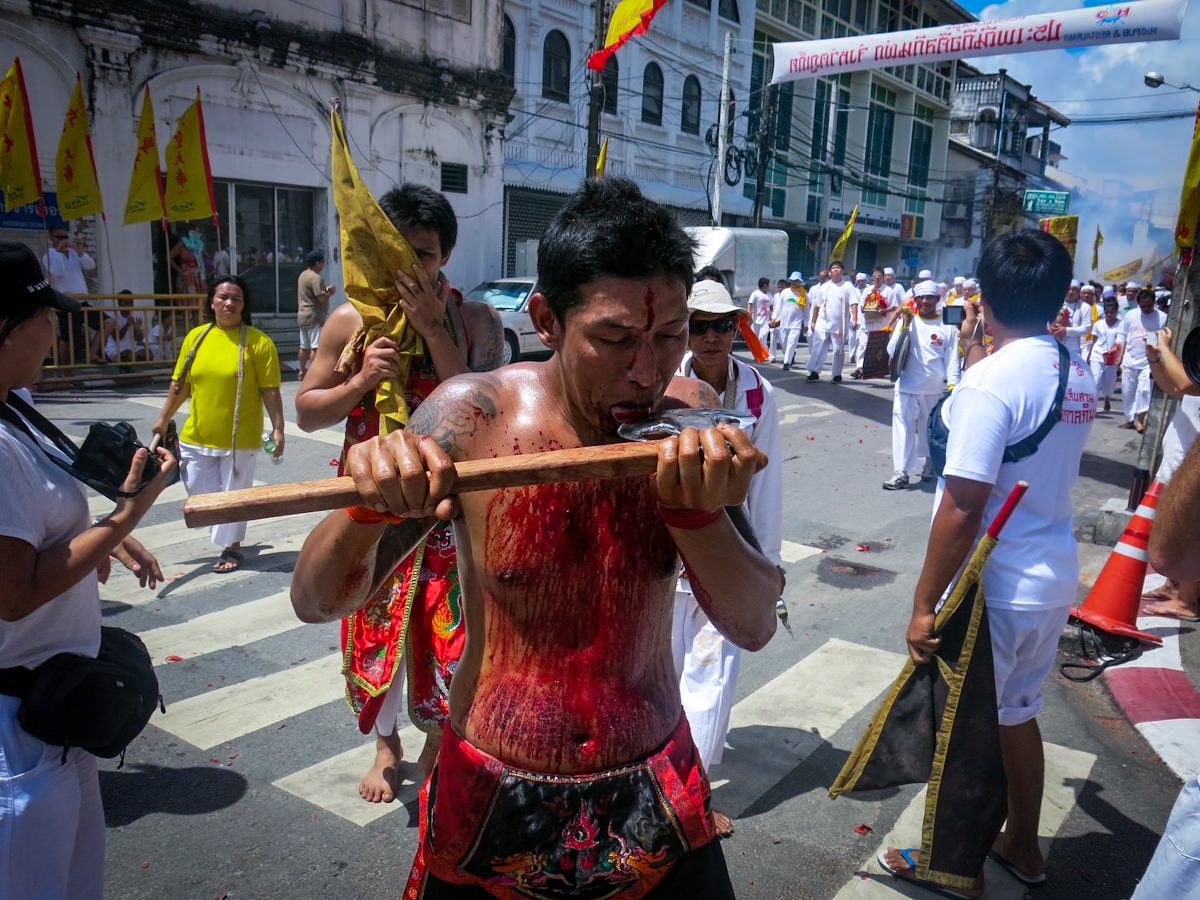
(121, 336)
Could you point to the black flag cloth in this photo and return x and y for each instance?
(938, 724)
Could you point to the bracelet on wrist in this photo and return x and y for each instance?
(361, 515)
(688, 519)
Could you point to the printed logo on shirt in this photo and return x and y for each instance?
(936, 340)
(1079, 407)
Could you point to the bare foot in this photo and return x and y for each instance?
(722, 824)
(895, 863)
(1175, 609)
(382, 780)
(1028, 862)
(428, 755)
(1167, 592)
(1128, 425)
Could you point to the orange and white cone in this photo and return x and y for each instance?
(1112, 604)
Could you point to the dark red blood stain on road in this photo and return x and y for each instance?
(863, 829)
(575, 581)
(649, 301)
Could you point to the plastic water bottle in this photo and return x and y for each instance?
(269, 446)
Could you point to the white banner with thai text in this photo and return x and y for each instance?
(1145, 20)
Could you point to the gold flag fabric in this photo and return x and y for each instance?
(1096, 248)
(839, 249)
(189, 193)
(1065, 228)
(76, 180)
(629, 18)
(373, 251)
(145, 200)
(1125, 272)
(939, 724)
(20, 179)
(1189, 198)
(602, 159)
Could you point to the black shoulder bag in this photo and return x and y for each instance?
(939, 431)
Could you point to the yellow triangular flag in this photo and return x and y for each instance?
(76, 181)
(1096, 249)
(189, 193)
(373, 251)
(19, 176)
(602, 159)
(1125, 272)
(839, 249)
(145, 200)
(1189, 198)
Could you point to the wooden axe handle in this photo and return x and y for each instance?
(553, 466)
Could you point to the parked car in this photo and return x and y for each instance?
(510, 297)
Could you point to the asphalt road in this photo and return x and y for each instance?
(246, 787)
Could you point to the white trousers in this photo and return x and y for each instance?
(790, 338)
(860, 347)
(1106, 377)
(51, 818)
(707, 665)
(910, 429)
(821, 343)
(1135, 389)
(203, 474)
(852, 344)
(393, 702)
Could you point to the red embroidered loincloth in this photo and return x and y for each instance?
(523, 834)
(373, 637)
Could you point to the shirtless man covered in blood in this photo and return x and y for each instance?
(567, 767)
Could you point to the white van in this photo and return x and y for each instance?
(743, 255)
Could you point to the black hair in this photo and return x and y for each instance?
(608, 228)
(211, 315)
(762, 282)
(710, 271)
(1024, 276)
(58, 226)
(416, 206)
(878, 269)
(1144, 290)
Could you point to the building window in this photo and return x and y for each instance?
(454, 178)
(608, 82)
(556, 67)
(920, 148)
(784, 94)
(508, 55)
(985, 131)
(881, 123)
(689, 120)
(728, 9)
(652, 94)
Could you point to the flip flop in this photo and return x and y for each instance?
(1168, 614)
(228, 556)
(1017, 873)
(931, 886)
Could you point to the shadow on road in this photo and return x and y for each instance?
(140, 790)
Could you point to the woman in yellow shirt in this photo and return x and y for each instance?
(230, 371)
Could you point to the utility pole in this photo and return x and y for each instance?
(595, 96)
(766, 136)
(991, 220)
(722, 123)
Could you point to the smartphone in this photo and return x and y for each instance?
(1152, 339)
(953, 315)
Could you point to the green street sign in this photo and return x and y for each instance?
(1054, 203)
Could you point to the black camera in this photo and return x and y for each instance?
(1190, 355)
(107, 453)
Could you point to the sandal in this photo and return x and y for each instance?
(231, 560)
(910, 878)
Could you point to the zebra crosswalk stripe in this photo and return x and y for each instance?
(235, 626)
(334, 437)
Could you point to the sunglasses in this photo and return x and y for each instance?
(697, 327)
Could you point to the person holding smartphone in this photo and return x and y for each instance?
(932, 363)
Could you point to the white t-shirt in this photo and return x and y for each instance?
(787, 310)
(42, 505)
(1134, 328)
(66, 270)
(873, 306)
(835, 307)
(1104, 336)
(895, 293)
(1079, 324)
(760, 307)
(123, 340)
(1001, 400)
(933, 360)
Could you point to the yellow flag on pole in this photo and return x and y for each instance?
(76, 180)
(1189, 198)
(839, 249)
(189, 193)
(1125, 272)
(20, 178)
(373, 251)
(1096, 249)
(629, 18)
(1065, 228)
(145, 200)
(602, 159)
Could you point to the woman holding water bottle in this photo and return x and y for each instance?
(229, 370)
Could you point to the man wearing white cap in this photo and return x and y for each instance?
(829, 324)
(932, 363)
(787, 316)
(923, 275)
(872, 308)
(894, 288)
(708, 664)
(955, 296)
(860, 287)
(1075, 320)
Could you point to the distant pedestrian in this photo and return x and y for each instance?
(759, 307)
(1137, 327)
(787, 316)
(64, 264)
(312, 306)
(1104, 353)
(830, 322)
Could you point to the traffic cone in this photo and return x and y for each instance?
(1112, 604)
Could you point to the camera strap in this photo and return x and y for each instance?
(16, 411)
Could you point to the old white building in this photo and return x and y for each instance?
(422, 95)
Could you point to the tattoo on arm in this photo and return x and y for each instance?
(487, 352)
(456, 411)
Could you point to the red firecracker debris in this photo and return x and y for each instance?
(334, 462)
(809, 437)
(174, 658)
(863, 829)
(863, 548)
(144, 865)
